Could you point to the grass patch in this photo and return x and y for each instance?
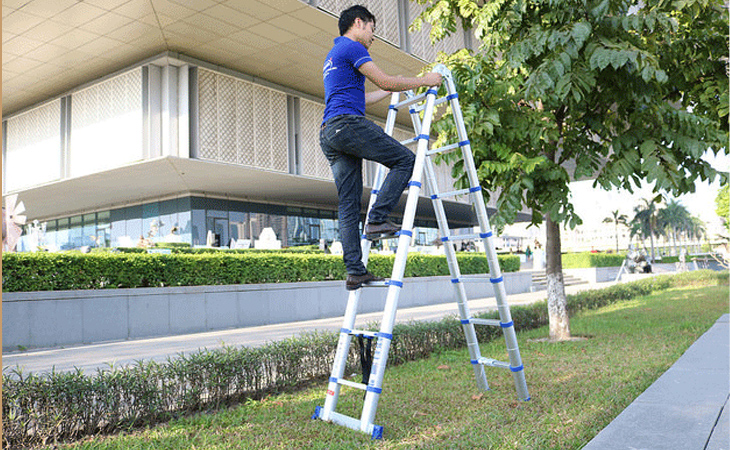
(577, 388)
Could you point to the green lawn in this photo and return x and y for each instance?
(577, 388)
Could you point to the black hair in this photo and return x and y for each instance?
(348, 16)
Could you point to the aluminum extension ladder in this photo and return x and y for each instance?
(425, 102)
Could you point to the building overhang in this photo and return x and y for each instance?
(169, 177)
(52, 48)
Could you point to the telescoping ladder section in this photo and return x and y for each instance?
(425, 102)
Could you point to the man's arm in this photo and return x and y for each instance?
(375, 96)
(391, 83)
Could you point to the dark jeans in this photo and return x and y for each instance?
(346, 141)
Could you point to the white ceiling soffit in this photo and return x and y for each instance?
(52, 46)
(171, 177)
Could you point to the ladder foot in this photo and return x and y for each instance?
(317, 411)
(377, 432)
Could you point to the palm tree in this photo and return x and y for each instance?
(673, 218)
(696, 229)
(645, 221)
(616, 219)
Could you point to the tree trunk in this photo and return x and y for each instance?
(557, 302)
(651, 239)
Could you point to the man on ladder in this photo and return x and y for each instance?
(347, 137)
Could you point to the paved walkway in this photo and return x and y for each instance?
(685, 409)
(91, 357)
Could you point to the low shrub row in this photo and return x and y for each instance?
(24, 272)
(587, 259)
(181, 247)
(47, 408)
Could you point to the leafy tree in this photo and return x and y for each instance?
(674, 218)
(616, 219)
(567, 89)
(644, 223)
(696, 229)
(722, 204)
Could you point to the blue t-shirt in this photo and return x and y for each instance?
(344, 85)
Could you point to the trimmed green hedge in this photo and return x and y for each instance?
(587, 259)
(51, 407)
(23, 272)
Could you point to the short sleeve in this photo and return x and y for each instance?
(358, 54)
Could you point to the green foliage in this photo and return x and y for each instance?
(722, 203)
(588, 259)
(54, 407)
(590, 84)
(23, 272)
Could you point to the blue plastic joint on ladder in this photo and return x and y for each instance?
(393, 108)
(506, 325)
(375, 191)
(405, 232)
(464, 143)
(374, 389)
(475, 189)
(452, 96)
(486, 235)
(333, 380)
(455, 280)
(415, 183)
(517, 369)
(345, 330)
(424, 136)
(474, 362)
(497, 280)
(377, 432)
(317, 409)
(432, 91)
(395, 283)
(465, 321)
(384, 335)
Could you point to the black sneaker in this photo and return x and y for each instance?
(386, 228)
(355, 282)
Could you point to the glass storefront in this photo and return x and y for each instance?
(194, 220)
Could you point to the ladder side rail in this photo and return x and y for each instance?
(345, 339)
(454, 270)
(382, 347)
(495, 271)
(459, 289)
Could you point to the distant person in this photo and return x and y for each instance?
(347, 137)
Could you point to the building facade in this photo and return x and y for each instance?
(187, 121)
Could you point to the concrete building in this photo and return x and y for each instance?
(182, 120)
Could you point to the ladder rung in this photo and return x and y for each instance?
(409, 101)
(361, 386)
(371, 334)
(446, 148)
(410, 141)
(437, 102)
(347, 421)
(455, 193)
(381, 238)
(466, 237)
(375, 431)
(492, 322)
(384, 283)
(474, 279)
(493, 363)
